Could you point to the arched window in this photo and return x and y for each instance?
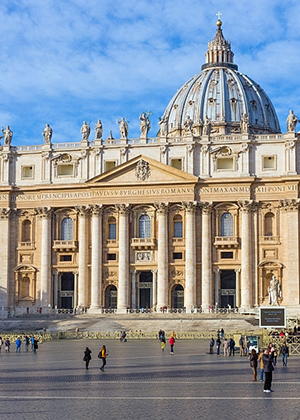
(269, 224)
(144, 226)
(67, 229)
(177, 225)
(26, 231)
(112, 231)
(111, 297)
(226, 224)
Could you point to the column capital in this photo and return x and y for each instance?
(206, 207)
(217, 270)
(237, 270)
(5, 213)
(246, 206)
(82, 210)
(44, 212)
(154, 271)
(123, 208)
(97, 210)
(190, 206)
(161, 207)
(290, 205)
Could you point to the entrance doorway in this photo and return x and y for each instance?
(145, 289)
(177, 297)
(66, 291)
(111, 296)
(228, 288)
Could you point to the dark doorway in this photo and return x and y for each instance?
(67, 281)
(66, 291)
(111, 296)
(145, 288)
(177, 297)
(145, 298)
(228, 288)
(66, 302)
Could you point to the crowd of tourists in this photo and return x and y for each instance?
(31, 342)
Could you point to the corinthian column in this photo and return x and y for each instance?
(82, 236)
(190, 256)
(96, 280)
(162, 255)
(123, 258)
(7, 298)
(45, 214)
(246, 255)
(206, 256)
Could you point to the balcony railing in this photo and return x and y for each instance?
(270, 239)
(26, 245)
(143, 243)
(65, 245)
(226, 241)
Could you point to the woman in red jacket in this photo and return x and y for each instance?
(171, 342)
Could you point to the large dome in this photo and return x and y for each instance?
(221, 95)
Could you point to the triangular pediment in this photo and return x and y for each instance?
(143, 170)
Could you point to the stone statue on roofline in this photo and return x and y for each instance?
(291, 122)
(188, 125)
(245, 123)
(206, 126)
(144, 124)
(47, 134)
(98, 129)
(85, 131)
(123, 127)
(163, 126)
(7, 135)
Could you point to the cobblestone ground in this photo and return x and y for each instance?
(141, 382)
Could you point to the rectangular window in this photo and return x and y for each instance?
(177, 255)
(178, 229)
(176, 163)
(111, 257)
(226, 255)
(110, 164)
(112, 232)
(27, 172)
(66, 258)
(225, 164)
(269, 162)
(65, 170)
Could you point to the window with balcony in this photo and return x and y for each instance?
(26, 231)
(67, 229)
(226, 224)
(177, 225)
(144, 226)
(112, 228)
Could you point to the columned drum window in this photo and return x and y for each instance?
(144, 226)
(177, 226)
(226, 224)
(67, 229)
(112, 231)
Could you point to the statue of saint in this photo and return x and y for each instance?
(245, 123)
(85, 131)
(188, 125)
(274, 291)
(7, 135)
(98, 130)
(291, 122)
(47, 133)
(145, 124)
(206, 126)
(163, 126)
(123, 128)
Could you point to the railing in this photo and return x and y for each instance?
(141, 243)
(65, 245)
(223, 241)
(270, 239)
(26, 245)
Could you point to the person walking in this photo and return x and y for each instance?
(268, 369)
(18, 345)
(7, 345)
(284, 353)
(163, 343)
(172, 342)
(87, 357)
(35, 345)
(103, 355)
(261, 365)
(253, 363)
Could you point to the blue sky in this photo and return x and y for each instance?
(63, 62)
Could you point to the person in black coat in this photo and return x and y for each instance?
(268, 369)
(87, 357)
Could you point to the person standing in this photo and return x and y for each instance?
(231, 347)
(103, 355)
(26, 345)
(211, 346)
(241, 344)
(261, 365)
(253, 363)
(225, 345)
(222, 332)
(218, 343)
(268, 369)
(32, 343)
(87, 357)
(1, 343)
(18, 345)
(35, 345)
(284, 353)
(172, 342)
(7, 345)
(163, 344)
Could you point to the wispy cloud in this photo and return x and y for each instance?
(69, 61)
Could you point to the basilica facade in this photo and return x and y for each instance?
(205, 214)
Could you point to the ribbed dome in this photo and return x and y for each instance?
(221, 95)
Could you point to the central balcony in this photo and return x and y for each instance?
(64, 245)
(143, 243)
(226, 242)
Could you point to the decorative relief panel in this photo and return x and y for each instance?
(142, 257)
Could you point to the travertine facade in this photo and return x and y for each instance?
(205, 214)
